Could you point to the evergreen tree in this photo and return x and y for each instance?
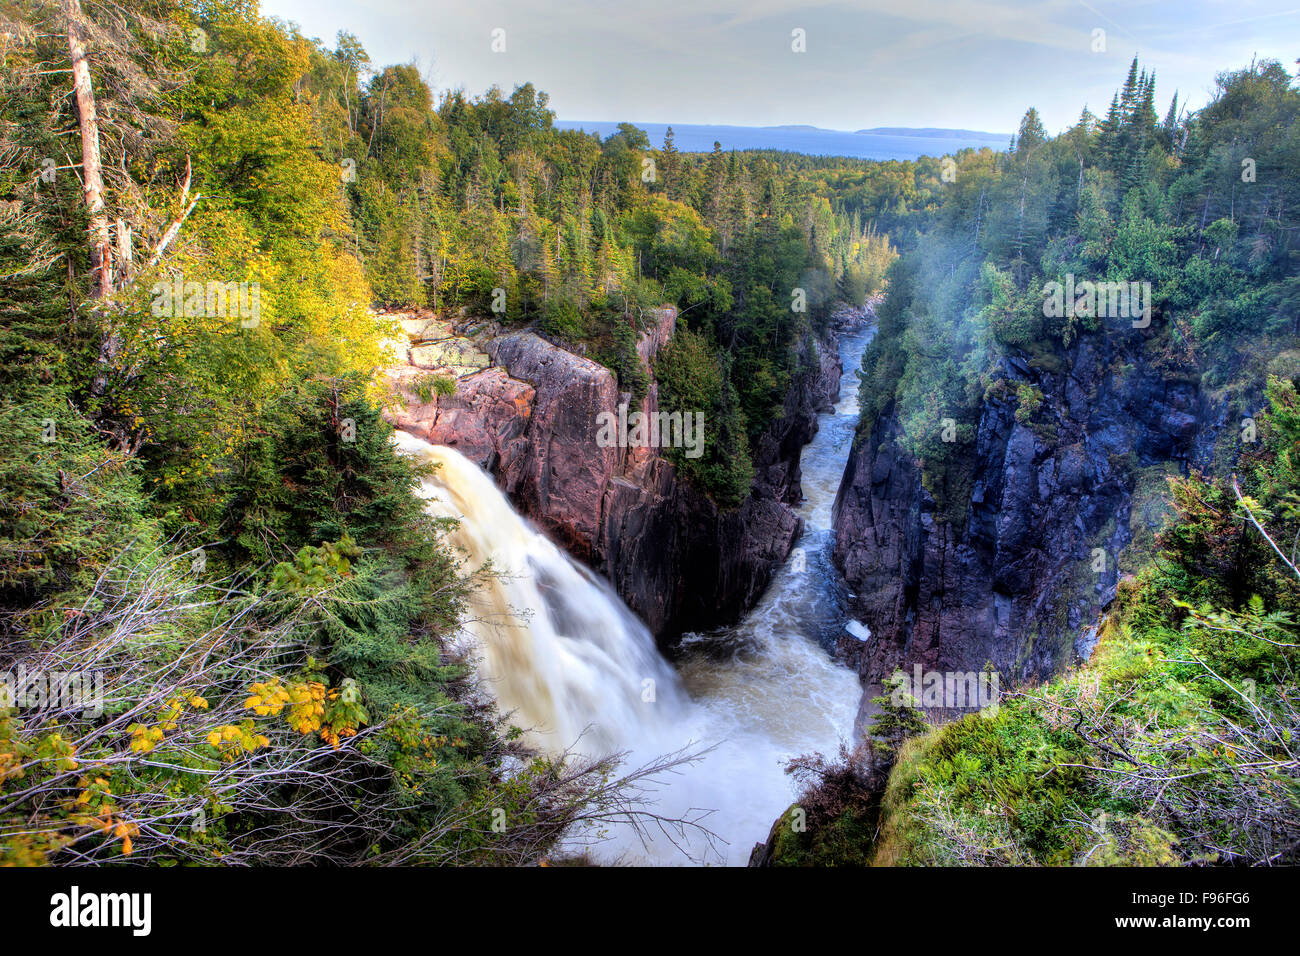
(671, 167)
(715, 180)
(899, 716)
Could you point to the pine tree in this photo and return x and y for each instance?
(715, 179)
(1108, 142)
(670, 165)
(1031, 134)
(1146, 119)
(736, 211)
(1087, 123)
(1169, 128)
(899, 716)
(1129, 93)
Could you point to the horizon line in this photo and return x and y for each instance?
(865, 131)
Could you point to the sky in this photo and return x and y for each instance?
(973, 64)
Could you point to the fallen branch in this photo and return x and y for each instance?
(1250, 516)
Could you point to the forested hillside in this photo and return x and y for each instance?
(1199, 206)
(1021, 467)
(1083, 316)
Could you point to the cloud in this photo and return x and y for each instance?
(974, 63)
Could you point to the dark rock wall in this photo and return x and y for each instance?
(1018, 581)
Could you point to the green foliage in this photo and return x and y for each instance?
(319, 465)
(314, 568)
(1028, 400)
(70, 505)
(837, 842)
(691, 381)
(1014, 318)
(626, 362)
(431, 386)
(833, 822)
(563, 321)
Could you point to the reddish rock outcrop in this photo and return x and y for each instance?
(485, 420)
(564, 471)
(532, 420)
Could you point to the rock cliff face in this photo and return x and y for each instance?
(1057, 494)
(531, 419)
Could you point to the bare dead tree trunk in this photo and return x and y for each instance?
(125, 255)
(92, 176)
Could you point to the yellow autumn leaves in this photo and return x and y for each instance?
(108, 820)
(306, 706)
(306, 702)
(145, 738)
(232, 740)
(303, 702)
(268, 698)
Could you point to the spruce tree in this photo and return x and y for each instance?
(670, 165)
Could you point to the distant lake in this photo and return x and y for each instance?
(804, 139)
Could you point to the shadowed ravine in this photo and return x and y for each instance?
(559, 648)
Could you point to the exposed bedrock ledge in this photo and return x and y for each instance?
(531, 419)
(1017, 582)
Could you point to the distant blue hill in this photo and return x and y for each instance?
(931, 132)
(880, 143)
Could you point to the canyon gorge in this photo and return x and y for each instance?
(755, 679)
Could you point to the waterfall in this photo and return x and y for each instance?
(560, 650)
(556, 646)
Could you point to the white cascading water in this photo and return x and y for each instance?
(558, 647)
(555, 644)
